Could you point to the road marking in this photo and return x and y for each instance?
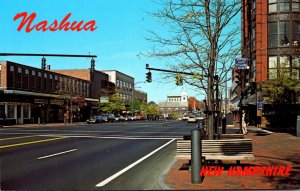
(113, 137)
(106, 181)
(64, 152)
(12, 138)
(28, 143)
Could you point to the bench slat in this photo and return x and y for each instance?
(226, 149)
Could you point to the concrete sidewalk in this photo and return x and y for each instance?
(269, 148)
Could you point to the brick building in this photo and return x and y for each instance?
(99, 83)
(270, 37)
(29, 95)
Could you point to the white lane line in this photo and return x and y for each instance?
(57, 154)
(112, 137)
(106, 181)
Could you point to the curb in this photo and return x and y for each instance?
(160, 181)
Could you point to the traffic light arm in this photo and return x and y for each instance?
(176, 72)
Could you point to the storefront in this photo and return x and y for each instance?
(15, 113)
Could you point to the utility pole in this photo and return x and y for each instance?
(210, 96)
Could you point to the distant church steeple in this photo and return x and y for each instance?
(183, 95)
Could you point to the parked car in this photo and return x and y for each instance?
(185, 118)
(192, 119)
(200, 118)
(120, 118)
(97, 119)
(131, 118)
(111, 118)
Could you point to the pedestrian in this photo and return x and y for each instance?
(244, 124)
(258, 121)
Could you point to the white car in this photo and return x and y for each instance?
(192, 119)
(185, 118)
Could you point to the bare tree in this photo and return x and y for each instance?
(201, 37)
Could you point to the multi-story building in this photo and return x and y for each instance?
(124, 83)
(270, 37)
(29, 94)
(140, 96)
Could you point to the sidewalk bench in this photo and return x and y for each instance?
(232, 136)
(226, 149)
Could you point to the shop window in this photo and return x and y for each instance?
(272, 34)
(26, 111)
(2, 111)
(272, 70)
(10, 111)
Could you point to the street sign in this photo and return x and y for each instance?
(241, 63)
(104, 99)
(260, 105)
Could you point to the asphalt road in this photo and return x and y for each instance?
(130, 155)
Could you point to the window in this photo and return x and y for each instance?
(284, 5)
(32, 80)
(295, 40)
(272, 71)
(118, 83)
(272, 6)
(296, 67)
(45, 81)
(272, 34)
(19, 78)
(284, 33)
(10, 111)
(26, 79)
(296, 5)
(11, 68)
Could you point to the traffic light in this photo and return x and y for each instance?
(148, 77)
(179, 80)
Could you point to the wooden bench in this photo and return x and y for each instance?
(226, 149)
(232, 136)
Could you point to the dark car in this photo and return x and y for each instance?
(97, 119)
(111, 118)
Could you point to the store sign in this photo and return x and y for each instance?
(104, 99)
(56, 102)
(80, 100)
(41, 101)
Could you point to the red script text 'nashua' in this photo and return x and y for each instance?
(44, 26)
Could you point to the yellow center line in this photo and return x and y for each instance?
(32, 142)
(12, 138)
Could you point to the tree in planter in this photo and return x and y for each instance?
(201, 37)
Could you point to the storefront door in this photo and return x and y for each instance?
(19, 114)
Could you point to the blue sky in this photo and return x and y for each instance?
(122, 26)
